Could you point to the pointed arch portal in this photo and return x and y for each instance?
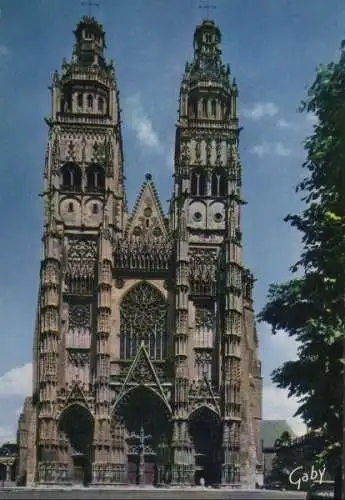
(205, 430)
(77, 424)
(147, 422)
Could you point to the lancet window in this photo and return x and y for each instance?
(100, 104)
(80, 100)
(203, 365)
(218, 183)
(214, 108)
(143, 315)
(198, 184)
(204, 107)
(95, 179)
(205, 325)
(70, 177)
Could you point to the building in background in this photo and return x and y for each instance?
(270, 432)
(8, 464)
(146, 364)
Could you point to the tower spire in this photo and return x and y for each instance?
(205, 4)
(90, 4)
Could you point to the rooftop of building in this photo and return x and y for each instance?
(271, 430)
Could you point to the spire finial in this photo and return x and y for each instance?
(90, 4)
(205, 4)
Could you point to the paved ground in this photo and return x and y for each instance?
(144, 494)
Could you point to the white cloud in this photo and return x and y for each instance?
(260, 110)
(271, 149)
(7, 436)
(142, 125)
(17, 382)
(18, 411)
(277, 406)
(170, 159)
(303, 126)
(279, 149)
(311, 119)
(284, 124)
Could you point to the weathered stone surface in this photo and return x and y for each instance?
(146, 362)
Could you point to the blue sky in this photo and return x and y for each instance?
(273, 47)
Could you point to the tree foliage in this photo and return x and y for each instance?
(311, 308)
(284, 461)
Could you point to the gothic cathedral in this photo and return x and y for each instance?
(146, 366)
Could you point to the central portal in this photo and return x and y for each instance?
(147, 422)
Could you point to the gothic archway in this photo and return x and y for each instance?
(77, 424)
(95, 178)
(70, 177)
(205, 430)
(147, 422)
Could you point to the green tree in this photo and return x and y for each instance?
(311, 308)
(284, 461)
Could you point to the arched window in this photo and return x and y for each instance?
(218, 183)
(198, 184)
(80, 100)
(204, 107)
(195, 109)
(214, 108)
(95, 179)
(70, 177)
(143, 314)
(90, 101)
(101, 104)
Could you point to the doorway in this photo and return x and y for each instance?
(206, 433)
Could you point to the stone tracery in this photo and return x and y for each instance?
(143, 319)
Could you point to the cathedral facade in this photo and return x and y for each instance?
(145, 356)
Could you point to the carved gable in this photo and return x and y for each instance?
(202, 394)
(76, 396)
(148, 217)
(142, 372)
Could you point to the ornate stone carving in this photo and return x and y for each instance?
(80, 248)
(79, 315)
(204, 318)
(202, 357)
(56, 153)
(185, 153)
(198, 151)
(109, 157)
(81, 265)
(70, 155)
(143, 254)
(83, 149)
(142, 373)
(218, 153)
(208, 151)
(143, 319)
(202, 270)
(78, 358)
(119, 283)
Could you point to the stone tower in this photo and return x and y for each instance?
(145, 351)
